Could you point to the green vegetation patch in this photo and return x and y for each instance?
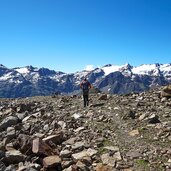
(143, 164)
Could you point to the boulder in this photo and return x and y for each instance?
(8, 121)
(13, 157)
(166, 91)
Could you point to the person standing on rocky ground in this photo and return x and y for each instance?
(85, 86)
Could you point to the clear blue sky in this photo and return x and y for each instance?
(67, 35)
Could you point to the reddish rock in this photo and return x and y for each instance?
(52, 162)
(25, 143)
(101, 167)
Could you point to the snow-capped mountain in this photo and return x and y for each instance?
(32, 81)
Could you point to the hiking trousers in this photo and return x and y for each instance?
(86, 101)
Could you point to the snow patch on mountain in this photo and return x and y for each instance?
(153, 69)
(6, 76)
(166, 69)
(78, 76)
(109, 78)
(146, 70)
(23, 70)
(111, 68)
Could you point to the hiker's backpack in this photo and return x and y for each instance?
(85, 87)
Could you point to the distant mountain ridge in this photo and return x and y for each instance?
(32, 81)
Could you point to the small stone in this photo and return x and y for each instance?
(101, 118)
(56, 139)
(79, 129)
(10, 168)
(46, 128)
(66, 164)
(153, 119)
(11, 132)
(2, 166)
(21, 116)
(112, 148)
(81, 166)
(117, 156)
(169, 138)
(91, 152)
(2, 154)
(9, 146)
(77, 116)
(103, 97)
(28, 118)
(14, 156)
(80, 155)
(134, 133)
(143, 116)
(102, 167)
(62, 124)
(134, 154)
(108, 160)
(65, 154)
(78, 145)
(70, 141)
(52, 162)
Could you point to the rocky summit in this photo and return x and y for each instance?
(114, 133)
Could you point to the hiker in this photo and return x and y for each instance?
(85, 86)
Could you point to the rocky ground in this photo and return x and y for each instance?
(115, 133)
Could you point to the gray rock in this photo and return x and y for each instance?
(70, 141)
(2, 166)
(79, 129)
(82, 166)
(143, 116)
(65, 154)
(83, 154)
(78, 145)
(21, 116)
(153, 119)
(62, 124)
(103, 97)
(27, 166)
(96, 134)
(14, 156)
(80, 155)
(10, 168)
(24, 142)
(11, 132)
(112, 148)
(56, 139)
(134, 154)
(77, 116)
(8, 121)
(108, 160)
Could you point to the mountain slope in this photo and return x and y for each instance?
(32, 81)
(114, 133)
